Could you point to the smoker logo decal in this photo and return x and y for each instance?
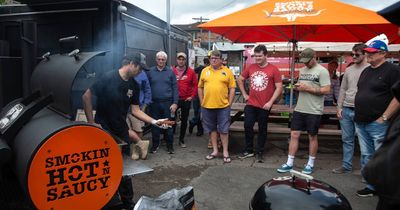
(77, 168)
(73, 174)
(293, 9)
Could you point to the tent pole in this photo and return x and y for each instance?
(292, 67)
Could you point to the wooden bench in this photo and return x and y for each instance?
(328, 117)
(271, 118)
(238, 126)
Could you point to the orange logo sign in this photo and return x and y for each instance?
(293, 9)
(77, 168)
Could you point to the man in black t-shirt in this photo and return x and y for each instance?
(116, 91)
(374, 103)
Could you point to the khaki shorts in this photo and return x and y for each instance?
(134, 123)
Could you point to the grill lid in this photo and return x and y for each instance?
(55, 75)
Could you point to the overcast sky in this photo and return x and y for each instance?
(182, 11)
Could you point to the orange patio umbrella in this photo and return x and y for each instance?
(302, 20)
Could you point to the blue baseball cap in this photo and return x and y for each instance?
(375, 46)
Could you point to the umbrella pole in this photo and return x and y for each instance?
(294, 43)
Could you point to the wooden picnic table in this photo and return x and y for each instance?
(281, 108)
(277, 109)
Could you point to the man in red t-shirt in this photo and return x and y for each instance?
(265, 87)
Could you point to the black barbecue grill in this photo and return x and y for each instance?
(28, 124)
(299, 191)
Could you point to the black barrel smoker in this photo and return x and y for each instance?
(299, 191)
(59, 164)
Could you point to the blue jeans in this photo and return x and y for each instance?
(347, 125)
(160, 110)
(196, 109)
(371, 136)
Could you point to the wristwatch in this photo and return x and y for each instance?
(384, 118)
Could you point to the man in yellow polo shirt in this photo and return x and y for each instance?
(216, 93)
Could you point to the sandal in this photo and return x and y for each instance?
(210, 157)
(227, 159)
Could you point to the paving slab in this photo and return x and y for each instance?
(231, 186)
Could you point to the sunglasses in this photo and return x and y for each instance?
(356, 55)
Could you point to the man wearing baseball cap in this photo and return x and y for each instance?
(314, 82)
(383, 169)
(116, 92)
(374, 103)
(187, 89)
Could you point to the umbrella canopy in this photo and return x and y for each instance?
(307, 20)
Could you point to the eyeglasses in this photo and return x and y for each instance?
(356, 55)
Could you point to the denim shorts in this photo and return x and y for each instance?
(305, 122)
(216, 119)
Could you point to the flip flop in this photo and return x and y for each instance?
(227, 159)
(210, 157)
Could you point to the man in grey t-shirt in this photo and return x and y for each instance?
(313, 84)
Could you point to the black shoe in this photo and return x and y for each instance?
(199, 133)
(246, 155)
(200, 129)
(182, 144)
(260, 158)
(341, 170)
(171, 150)
(191, 126)
(153, 150)
(366, 192)
(127, 205)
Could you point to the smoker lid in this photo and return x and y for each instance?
(288, 193)
(55, 76)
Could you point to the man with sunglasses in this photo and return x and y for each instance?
(345, 106)
(374, 103)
